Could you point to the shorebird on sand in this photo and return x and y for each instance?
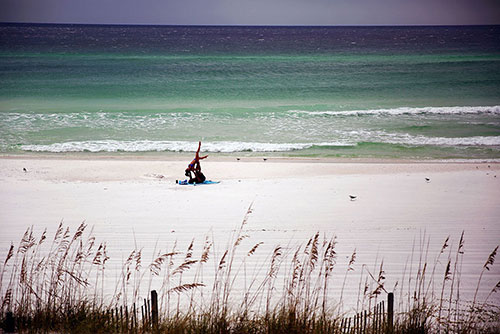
(427, 180)
(352, 197)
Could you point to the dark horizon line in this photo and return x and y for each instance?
(245, 25)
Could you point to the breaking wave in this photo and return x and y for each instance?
(444, 141)
(408, 111)
(168, 146)
(231, 147)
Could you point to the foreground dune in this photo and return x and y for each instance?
(136, 203)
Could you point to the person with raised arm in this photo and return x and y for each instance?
(195, 168)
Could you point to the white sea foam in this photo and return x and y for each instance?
(168, 146)
(230, 147)
(408, 111)
(443, 141)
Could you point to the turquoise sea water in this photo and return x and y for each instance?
(375, 92)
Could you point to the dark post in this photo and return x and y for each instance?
(121, 318)
(390, 312)
(146, 312)
(134, 320)
(143, 318)
(126, 317)
(117, 317)
(148, 307)
(9, 323)
(154, 309)
(365, 318)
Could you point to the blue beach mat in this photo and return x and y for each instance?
(185, 183)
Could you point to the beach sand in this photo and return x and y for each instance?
(135, 202)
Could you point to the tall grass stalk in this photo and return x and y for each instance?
(60, 287)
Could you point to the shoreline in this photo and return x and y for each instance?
(217, 157)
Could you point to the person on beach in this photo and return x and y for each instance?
(198, 175)
(195, 168)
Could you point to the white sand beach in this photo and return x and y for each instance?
(135, 202)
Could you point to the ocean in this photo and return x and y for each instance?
(430, 93)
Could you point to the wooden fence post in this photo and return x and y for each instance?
(365, 316)
(143, 318)
(117, 318)
(390, 312)
(134, 320)
(126, 318)
(121, 318)
(154, 309)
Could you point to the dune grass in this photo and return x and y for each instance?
(58, 285)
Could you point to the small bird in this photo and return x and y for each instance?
(25, 170)
(265, 159)
(238, 159)
(427, 180)
(352, 197)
